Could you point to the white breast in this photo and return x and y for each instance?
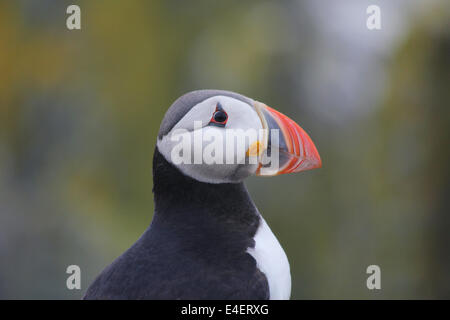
(272, 261)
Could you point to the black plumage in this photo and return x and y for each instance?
(195, 247)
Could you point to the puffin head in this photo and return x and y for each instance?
(217, 136)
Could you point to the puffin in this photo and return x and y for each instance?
(207, 240)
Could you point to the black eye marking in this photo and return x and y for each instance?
(219, 117)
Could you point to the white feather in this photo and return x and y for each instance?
(272, 261)
(242, 118)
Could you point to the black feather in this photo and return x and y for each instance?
(195, 247)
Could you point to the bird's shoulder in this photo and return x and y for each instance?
(168, 270)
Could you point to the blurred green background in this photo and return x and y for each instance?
(80, 110)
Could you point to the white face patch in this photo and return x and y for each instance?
(272, 261)
(210, 153)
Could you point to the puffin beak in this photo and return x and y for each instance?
(288, 148)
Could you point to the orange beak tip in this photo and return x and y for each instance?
(303, 153)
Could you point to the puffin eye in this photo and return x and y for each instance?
(219, 117)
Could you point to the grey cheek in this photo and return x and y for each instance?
(243, 171)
